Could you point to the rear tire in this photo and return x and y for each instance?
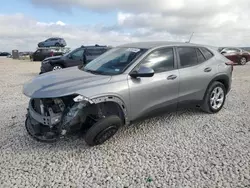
(103, 130)
(214, 98)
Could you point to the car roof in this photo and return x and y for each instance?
(231, 47)
(154, 44)
(94, 46)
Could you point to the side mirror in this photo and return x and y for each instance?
(70, 56)
(142, 72)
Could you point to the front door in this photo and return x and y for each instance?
(159, 91)
(75, 58)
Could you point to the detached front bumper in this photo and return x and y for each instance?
(51, 120)
(48, 121)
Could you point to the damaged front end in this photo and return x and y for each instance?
(52, 118)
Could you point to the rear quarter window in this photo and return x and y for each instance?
(97, 51)
(207, 53)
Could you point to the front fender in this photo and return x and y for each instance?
(113, 98)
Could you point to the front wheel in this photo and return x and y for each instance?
(214, 98)
(56, 67)
(103, 130)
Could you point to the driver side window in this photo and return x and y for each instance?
(77, 55)
(160, 60)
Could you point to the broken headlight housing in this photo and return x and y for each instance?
(81, 98)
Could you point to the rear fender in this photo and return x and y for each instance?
(221, 78)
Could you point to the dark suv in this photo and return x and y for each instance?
(78, 56)
(43, 53)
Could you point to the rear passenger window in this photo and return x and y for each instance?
(160, 60)
(200, 56)
(188, 56)
(95, 51)
(206, 53)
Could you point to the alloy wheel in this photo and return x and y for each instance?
(217, 98)
(57, 68)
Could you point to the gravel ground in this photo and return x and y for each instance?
(183, 149)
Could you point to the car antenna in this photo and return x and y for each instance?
(190, 37)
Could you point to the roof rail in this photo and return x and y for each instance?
(96, 45)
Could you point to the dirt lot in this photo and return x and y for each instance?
(183, 149)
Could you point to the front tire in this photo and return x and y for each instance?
(214, 98)
(57, 67)
(103, 130)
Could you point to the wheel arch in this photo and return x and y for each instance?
(224, 79)
(114, 101)
(53, 63)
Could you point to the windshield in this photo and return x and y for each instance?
(114, 61)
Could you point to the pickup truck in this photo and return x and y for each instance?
(41, 54)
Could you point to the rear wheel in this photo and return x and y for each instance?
(103, 130)
(214, 98)
(243, 61)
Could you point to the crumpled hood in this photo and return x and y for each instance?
(62, 83)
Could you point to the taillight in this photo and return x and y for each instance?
(52, 53)
(230, 64)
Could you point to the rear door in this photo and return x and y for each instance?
(151, 94)
(92, 53)
(45, 53)
(196, 67)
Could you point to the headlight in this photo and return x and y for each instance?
(81, 98)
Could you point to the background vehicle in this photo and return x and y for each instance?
(4, 54)
(124, 84)
(237, 55)
(41, 53)
(52, 42)
(79, 56)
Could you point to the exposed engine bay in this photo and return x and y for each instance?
(52, 118)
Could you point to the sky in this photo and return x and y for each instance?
(24, 23)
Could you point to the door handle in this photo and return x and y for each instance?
(172, 77)
(208, 69)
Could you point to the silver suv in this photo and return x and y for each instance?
(125, 84)
(51, 42)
